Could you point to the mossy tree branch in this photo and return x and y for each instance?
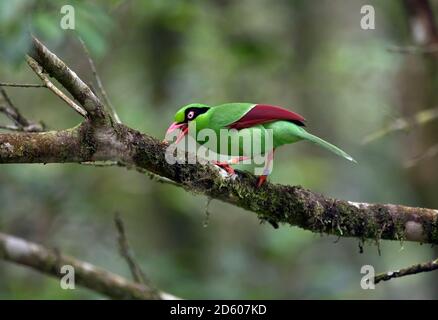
(411, 270)
(277, 204)
(100, 138)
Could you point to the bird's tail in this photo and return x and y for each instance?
(310, 137)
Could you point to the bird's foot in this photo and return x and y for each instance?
(261, 180)
(225, 170)
(225, 166)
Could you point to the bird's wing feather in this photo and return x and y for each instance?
(264, 113)
(225, 114)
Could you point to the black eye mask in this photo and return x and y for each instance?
(196, 112)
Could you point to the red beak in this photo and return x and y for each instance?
(181, 126)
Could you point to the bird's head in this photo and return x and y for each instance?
(183, 116)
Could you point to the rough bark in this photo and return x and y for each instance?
(98, 139)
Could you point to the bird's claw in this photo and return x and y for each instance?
(225, 166)
(225, 170)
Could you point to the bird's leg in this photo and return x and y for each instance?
(236, 160)
(226, 165)
(266, 170)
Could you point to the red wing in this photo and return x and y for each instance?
(263, 113)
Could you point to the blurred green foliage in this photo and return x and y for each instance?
(18, 19)
(153, 57)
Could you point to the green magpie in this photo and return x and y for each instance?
(286, 128)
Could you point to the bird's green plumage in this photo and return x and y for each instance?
(221, 116)
(217, 117)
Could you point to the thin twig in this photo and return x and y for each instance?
(12, 112)
(126, 252)
(10, 127)
(99, 83)
(33, 127)
(414, 49)
(39, 71)
(21, 85)
(400, 124)
(414, 269)
(57, 69)
(430, 153)
(49, 262)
